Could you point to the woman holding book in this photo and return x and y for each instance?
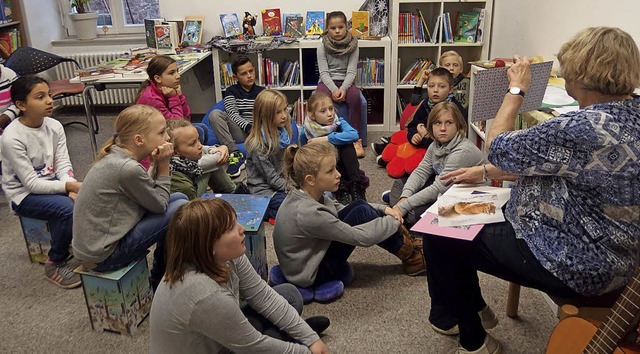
(564, 234)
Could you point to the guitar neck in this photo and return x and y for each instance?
(620, 321)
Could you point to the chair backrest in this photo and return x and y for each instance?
(27, 60)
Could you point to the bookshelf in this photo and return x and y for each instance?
(406, 51)
(304, 51)
(15, 23)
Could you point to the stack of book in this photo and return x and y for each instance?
(370, 72)
(290, 74)
(95, 72)
(415, 70)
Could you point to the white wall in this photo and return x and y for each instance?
(540, 27)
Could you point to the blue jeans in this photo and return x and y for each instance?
(334, 262)
(57, 210)
(274, 204)
(151, 229)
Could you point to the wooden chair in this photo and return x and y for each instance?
(596, 308)
(27, 60)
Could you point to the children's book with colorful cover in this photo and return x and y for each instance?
(166, 38)
(95, 72)
(271, 22)
(287, 15)
(193, 26)
(466, 27)
(294, 27)
(230, 24)
(360, 23)
(150, 32)
(180, 28)
(315, 23)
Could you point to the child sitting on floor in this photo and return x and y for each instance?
(194, 166)
(322, 125)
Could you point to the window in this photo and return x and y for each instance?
(124, 16)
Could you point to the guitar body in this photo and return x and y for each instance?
(573, 334)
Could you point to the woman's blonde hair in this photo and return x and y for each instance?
(301, 161)
(264, 137)
(156, 66)
(601, 59)
(131, 121)
(441, 108)
(194, 229)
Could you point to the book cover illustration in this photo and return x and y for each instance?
(193, 30)
(150, 32)
(230, 25)
(428, 224)
(490, 86)
(360, 23)
(466, 27)
(315, 23)
(287, 15)
(471, 209)
(179, 27)
(165, 43)
(271, 22)
(294, 27)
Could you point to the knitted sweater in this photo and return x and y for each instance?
(115, 195)
(238, 104)
(333, 68)
(198, 315)
(306, 228)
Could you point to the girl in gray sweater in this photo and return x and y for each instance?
(197, 307)
(449, 151)
(316, 235)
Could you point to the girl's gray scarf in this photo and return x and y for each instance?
(344, 46)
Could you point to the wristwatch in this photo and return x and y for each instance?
(516, 91)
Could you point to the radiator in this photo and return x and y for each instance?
(111, 97)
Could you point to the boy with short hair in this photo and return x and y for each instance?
(234, 124)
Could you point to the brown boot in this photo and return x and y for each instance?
(411, 256)
(359, 148)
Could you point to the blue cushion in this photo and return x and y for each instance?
(212, 138)
(326, 292)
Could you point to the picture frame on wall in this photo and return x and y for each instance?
(193, 30)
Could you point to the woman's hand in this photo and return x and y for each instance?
(168, 91)
(395, 213)
(339, 95)
(318, 347)
(224, 153)
(520, 73)
(463, 175)
(320, 139)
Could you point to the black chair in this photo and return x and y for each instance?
(27, 60)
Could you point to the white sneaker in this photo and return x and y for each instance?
(490, 346)
(487, 316)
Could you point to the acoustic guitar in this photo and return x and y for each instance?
(579, 335)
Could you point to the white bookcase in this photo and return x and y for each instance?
(304, 49)
(408, 52)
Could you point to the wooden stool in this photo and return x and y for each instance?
(37, 237)
(118, 301)
(596, 308)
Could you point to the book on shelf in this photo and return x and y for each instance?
(286, 16)
(315, 23)
(360, 23)
(226, 75)
(230, 24)
(166, 38)
(413, 73)
(179, 27)
(446, 28)
(294, 27)
(271, 22)
(466, 27)
(427, 37)
(150, 31)
(370, 72)
(193, 27)
(480, 31)
(437, 34)
(7, 12)
(95, 73)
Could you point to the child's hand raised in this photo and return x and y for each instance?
(168, 91)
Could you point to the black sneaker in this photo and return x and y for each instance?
(343, 196)
(318, 323)
(358, 191)
(385, 139)
(377, 148)
(381, 162)
(241, 188)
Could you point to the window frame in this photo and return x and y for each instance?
(118, 26)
